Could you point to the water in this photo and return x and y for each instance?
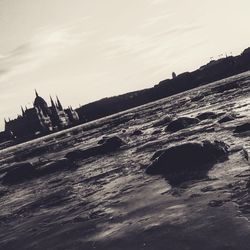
(109, 202)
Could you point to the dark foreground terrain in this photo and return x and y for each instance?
(99, 195)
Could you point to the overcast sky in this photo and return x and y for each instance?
(84, 50)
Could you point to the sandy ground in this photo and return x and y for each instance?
(109, 202)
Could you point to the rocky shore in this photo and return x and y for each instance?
(171, 174)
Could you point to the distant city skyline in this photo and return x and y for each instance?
(40, 119)
(87, 50)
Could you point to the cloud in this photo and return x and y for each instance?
(148, 46)
(44, 46)
(156, 19)
(157, 1)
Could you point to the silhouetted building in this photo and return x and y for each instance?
(41, 119)
(4, 136)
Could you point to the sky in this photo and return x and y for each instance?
(84, 50)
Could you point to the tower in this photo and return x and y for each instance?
(54, 114)
(53, 106)
(22, 111)
(59, 105)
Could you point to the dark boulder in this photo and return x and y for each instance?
(73, 155)
(112, 143)
(104, 138)
(197, 98)
(26, 154)
(18, 173)
(3, 191)
(226, 118)
(54, 166)
(206, 115)
(216, 203)
(108, 145)
(156, 132)
(137, 132)
(84, 153)
(181, 123)
(157, 154)
(245, 154)
(226, 87)
(190, 156)
(242, 128)
(163, 121)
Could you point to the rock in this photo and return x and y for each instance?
(248, 184)
(3, 191)
(156, 132)
(163, 121)
(121, 120)
(104, 138)
(112, 143)
(207, 189)
(18, 173)
(226, 118)
(26, 171)
(190, 156)
(197, 98)
(108, 145)
(84, 154)
(206, 115)
(181, 123)
(242, 128)
(215, 203)
(137, 132)
(157, 154)
(245, 154)
(26, 154)
(54, 166)
(73, 155)
(226, 87)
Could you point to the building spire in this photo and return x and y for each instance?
(22, 110)
(59, 103)
(52, 102)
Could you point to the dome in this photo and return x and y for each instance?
(40, 102)
(246, 51)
